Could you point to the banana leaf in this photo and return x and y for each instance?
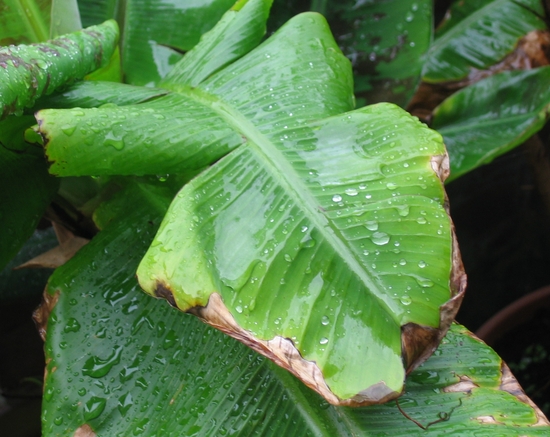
(487, 119)
(482, 38)
(386, 43)
(30, 71)
(120, 363)
(26, 191)
(155, 32)
(339, 223)
(24, 22)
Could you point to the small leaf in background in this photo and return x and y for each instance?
(158, 32)
(26, 190)
(24, 22)
(29, 71)
(386, 43)
(66, 17)
(487, 119)
(480, 39)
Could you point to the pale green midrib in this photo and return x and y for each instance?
(290, 181)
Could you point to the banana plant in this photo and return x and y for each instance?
(315, 234)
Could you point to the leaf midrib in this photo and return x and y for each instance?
(294, 186)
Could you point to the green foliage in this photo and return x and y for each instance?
(312, 221)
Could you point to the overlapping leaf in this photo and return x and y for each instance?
(323, 244)
(491, 117)
(28, 72)
(26, 187)
(386, 43)
(120, 363)
(479, 37)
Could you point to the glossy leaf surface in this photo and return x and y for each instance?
(489, 118)
(278, 85)
(346, 229)
(121, 363)
(334, 257)
(482, 38)
(386, 43)
(29, 71)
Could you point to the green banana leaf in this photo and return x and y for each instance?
(487, 119)
(26, 191)
(339, 223)
(155, 33)
(120, 363)
(482, 38)
(31, 71)
(386, 43)
(24, 22)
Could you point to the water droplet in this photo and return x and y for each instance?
(68, 129)
(402, 261)
(372, 225)
(97, 367)
(239, 309)
(72, 325)
(325, 320)
(336, 198)
(406, 299)
(323, 340)
(391, 186)
(94, 407)
(351, 192)
(380, 238)
(117, 144)
(421, 220)
(403, 210)
(303, 229)
(287, 257)
(424, 282)
(422, 264)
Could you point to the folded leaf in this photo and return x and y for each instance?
(487, 119)
(27, 72)
(482, 38)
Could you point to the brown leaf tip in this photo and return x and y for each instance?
(164, 292)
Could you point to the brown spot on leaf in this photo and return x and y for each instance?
(164, 292)
(41, 314)
(465, 385)
(84, 431)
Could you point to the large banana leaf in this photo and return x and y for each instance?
(345, 271)
(122, 364)
(479, 37)
(489, 118)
